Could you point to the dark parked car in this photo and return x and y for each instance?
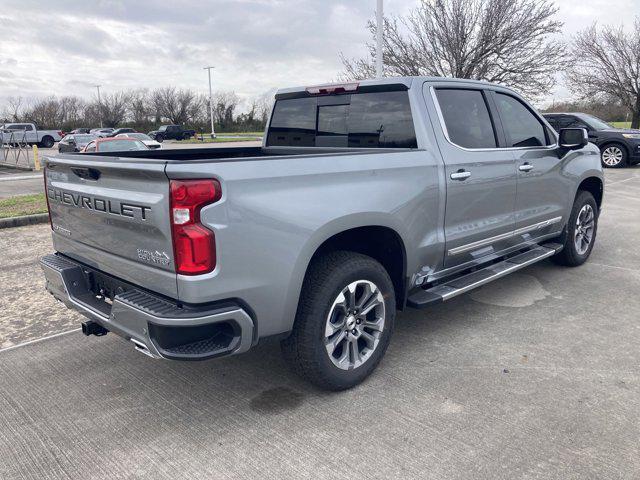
(80, 130)
(75, 142)
(175, 132)
(618, 146)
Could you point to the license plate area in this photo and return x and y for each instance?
(100, 292)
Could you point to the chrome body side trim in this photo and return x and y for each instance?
(503, 236)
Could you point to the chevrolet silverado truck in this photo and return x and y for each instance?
(364, 199)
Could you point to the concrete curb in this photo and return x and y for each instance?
(24, 220)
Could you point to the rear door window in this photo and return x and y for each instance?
(362, 120)
(521, 126)
(466, 117)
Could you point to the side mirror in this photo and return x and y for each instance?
(573, 138)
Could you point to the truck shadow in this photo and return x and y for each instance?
(268, 387)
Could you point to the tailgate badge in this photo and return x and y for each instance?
(156, 257)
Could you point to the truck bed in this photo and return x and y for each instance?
(235, 153)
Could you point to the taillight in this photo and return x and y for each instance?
(46, 194)
(194, 245)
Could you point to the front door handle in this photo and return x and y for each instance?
(460, 175)
(527, 167)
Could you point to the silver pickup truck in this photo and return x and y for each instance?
(364, 199)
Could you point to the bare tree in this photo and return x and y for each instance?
(45, 112)
(264, 105)
(608, 64)
(177, 106)
(71, 112)
(504, 41)
(139, 110)
(113, 108)
(14, 108)
(224, 106)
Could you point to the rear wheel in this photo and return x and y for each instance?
(159, 138)
(344, 321)
(613, 156)
(580, 234)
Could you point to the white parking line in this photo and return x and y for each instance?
(19, 177)
(621, 181)
(38, 340)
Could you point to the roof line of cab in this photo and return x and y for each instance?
(405, 82)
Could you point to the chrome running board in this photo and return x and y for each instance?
(457, 286)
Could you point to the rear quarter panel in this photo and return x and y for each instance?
(276, 212)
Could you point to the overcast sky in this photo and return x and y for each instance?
(65, 46)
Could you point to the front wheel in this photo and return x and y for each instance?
(580, 234)
(613, 156)
(344, 321)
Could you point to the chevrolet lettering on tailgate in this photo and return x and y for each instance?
(98, 204)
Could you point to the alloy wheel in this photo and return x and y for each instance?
(355, 324)
(612, 156)
(585, 225)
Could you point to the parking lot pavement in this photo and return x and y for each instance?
(533, 376)
(20, 182)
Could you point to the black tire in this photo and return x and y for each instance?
(570, 256)
(159, 138)
(613, 155)
(186, 136)
(305, 351)
(47, 142)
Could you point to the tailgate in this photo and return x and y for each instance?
(113, 214)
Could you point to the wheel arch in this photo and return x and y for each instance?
(381, 243)
(593, 185)
(355, 233)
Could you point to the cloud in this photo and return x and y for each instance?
(256, 45)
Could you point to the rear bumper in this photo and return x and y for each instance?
(156, 326)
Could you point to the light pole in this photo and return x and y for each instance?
(213, 132)
(99, 104)
(379, 33)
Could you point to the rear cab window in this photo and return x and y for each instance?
(380, 119)
(466, 117)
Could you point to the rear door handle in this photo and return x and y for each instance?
(460, 175)
(527, 167)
